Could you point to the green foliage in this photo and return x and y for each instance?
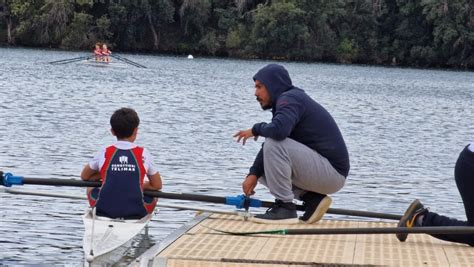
(25, 14)
(278, 29)
(194, 15)
(103, 28)
(79, 34)
(184, 48)
(84, 34)
(346, 51)
(164, 11)
(209, 43)
(233, 40)
(53, 21)
(422, 55)
(437, 33)
(226, 18)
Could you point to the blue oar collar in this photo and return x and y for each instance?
(9, 179)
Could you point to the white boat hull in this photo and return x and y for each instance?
(111, 238)
(96, 63)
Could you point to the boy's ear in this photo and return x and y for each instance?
(112, 131)
(135, 131)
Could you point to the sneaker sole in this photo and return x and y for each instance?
(403, 221)
(320, 210)
(282, 221)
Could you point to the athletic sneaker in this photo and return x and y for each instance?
(409, 218)
(315, 206)
(280, 213)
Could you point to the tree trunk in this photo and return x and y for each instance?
(8, 19)
(9, 30)
(156, 37)
(376, 7)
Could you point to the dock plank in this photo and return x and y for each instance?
(201, 246)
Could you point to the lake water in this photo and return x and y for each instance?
(404, 129)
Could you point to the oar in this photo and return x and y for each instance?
(128, 61)
(90, 256)
(238, 201)
(159, 204)
(70, 60)
(359, 231)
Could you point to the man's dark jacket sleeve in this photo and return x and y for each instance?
(257, 167)
(287, 114)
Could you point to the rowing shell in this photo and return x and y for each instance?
(96, 63)
(111, 237)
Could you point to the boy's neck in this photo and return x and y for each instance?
(129, 139)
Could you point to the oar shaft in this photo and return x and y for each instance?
(83, 197)
(367, 214)
(81, 183)
(358, 231)
(356, 213)
(128, 61)
(267, 204)
(183, 196)
(384, 230)
(69, 60)
(132, 63)
(42, 193)
(61, 182)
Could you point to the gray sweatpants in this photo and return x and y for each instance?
(292, 169)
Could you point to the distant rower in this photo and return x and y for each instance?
(106, 53)
(98, 52)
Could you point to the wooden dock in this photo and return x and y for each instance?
(195, 245)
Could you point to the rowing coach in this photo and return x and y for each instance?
(304, 155)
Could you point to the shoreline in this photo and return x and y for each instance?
(228, 57)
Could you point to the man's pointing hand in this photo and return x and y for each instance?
(244, 135)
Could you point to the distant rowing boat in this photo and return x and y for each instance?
(108, 239)
(90, 60)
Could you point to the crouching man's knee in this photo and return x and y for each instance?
(271, 145)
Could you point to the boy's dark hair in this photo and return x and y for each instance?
(123, 122)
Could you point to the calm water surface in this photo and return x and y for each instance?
(404, 129)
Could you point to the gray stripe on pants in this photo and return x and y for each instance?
(291, 169)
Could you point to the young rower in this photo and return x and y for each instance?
(98, 52)
(121, 168)
(106, 53)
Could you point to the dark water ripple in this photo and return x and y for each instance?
(404, 129)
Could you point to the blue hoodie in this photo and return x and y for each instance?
(297, 116)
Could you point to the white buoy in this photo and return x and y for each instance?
(190, 57)
(89, 258)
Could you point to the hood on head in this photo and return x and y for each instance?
(275, 78)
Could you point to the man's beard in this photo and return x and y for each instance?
(262, 105)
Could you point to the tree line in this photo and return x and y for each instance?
(423, 33)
